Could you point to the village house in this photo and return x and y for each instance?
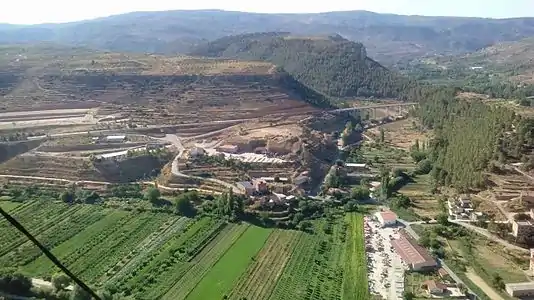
(386, 218)
(246, 187)
(434, 288)
(522, 229)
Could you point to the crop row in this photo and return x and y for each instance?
(97, 261)
(262, 275)
(355, 286)
(161, 269)
(220, 279)
(36, 220)
(297, 272)
(78, 246)
(328, 267)
(150, 244)
(53, 236)
(205, 260)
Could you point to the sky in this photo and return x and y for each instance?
(59, 11)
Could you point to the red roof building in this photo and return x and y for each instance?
(386, 218)
(414, 255)
(434, 288)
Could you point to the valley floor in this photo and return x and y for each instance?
(164, 256)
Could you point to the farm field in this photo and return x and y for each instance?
(424, 203)
(163, 256)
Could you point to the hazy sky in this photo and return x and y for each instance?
(42, 11)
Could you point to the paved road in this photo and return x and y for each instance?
(173, 138)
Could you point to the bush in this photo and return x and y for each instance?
(152, 194)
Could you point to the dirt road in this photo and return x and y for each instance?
(488, 290)
(47, 284)
(490, 236)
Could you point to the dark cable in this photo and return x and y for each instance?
(48, 254)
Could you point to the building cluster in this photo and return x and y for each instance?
(263, 193)
(461, 208)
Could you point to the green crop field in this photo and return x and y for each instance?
(164, 256)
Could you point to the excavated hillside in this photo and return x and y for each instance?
(149, 88)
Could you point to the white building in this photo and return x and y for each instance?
(519, 290)
(115, 138)
(386, 218)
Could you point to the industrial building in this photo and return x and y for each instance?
(414, 255)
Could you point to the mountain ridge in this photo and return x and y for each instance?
(388, 37)
(330, 64)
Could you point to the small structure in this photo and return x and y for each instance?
(228, 149)
(260, 186)
(197, 152)
(275, 179)
(301, 179)
(443, 274)
(522, 229)
(464, 201)
(114, 155)
(386, 218)
(435, 288)
(477, 216)
(414, 255)
(246, 187)
(115, 139)
(261, 150)
(522, 289)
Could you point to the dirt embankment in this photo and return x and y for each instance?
(131, 169)
(12, 149)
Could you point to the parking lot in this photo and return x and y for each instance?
(385, 267)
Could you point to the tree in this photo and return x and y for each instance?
(305, 225)
(152, 194)
(184, 206)
(67, 196)
(79, 294)
(360, 193)
(406, 295)
(14, 282)
(443, 219)
(497, 281)
(60, 281)
(382, 138)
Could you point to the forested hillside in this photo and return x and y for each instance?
(331, 64)
(470, 135)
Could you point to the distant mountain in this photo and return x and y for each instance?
(388, 38)
(329, 64)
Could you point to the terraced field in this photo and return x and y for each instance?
(163, 256)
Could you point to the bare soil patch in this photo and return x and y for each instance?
(402, 133)
(483, 285)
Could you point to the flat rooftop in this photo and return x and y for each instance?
(520, 286)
